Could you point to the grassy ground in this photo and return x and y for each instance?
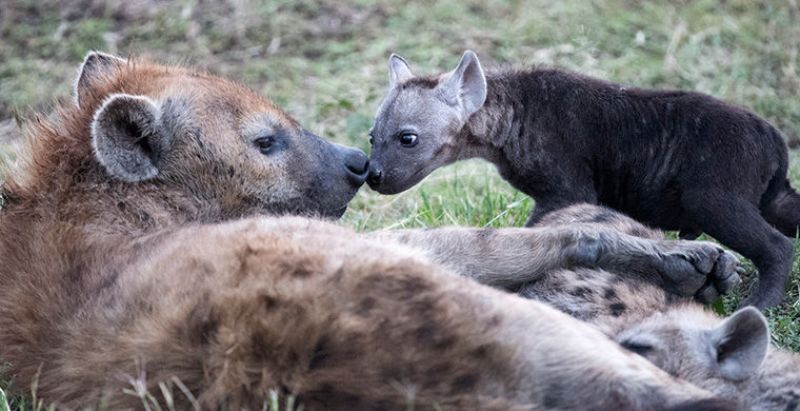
(325, 63)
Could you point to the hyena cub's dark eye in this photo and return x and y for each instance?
(264, 144)
(408, 139)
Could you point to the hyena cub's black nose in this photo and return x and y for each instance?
(357, 164)
(375, 175)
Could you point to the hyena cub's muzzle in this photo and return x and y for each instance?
(375, 177)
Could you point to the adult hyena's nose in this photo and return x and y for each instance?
(375, 177)
(357, 165)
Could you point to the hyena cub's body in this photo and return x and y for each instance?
(730, 357)
(671, 159)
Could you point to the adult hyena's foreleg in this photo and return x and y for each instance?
(509, 257)
(722, 279)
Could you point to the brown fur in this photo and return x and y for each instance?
(110, 284)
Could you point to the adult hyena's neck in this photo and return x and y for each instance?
(64, 230)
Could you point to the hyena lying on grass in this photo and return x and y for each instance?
(729, 357)
(135, 249)
(671, 159)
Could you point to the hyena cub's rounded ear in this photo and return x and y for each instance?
(466, 86)
(128, 137)
(96, 67)
(741, 343)
(398, 70)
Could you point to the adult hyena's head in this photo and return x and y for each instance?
(697, 346)
(417, 125)
(210, 139)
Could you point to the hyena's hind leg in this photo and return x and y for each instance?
(596, 214)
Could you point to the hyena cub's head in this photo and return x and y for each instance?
(697, 346)
(200, 136)
(417, 124)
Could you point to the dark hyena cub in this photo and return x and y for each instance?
(672, 159)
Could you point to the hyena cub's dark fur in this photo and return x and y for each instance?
(671, 159)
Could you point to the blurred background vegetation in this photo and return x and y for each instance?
(325, 63)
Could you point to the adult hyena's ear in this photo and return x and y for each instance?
(96, 67)
(466, 86)
(741, 344)
(128, 137)
(398, 70)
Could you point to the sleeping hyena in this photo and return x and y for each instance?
(731, 357)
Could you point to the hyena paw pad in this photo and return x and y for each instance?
(723, 278)
(690, 265)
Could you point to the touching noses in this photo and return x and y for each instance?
(375, 175)
(357, 164)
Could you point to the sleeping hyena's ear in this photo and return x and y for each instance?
(398, 70)
(129, 138)
(96, 67)
(465, 88)
(741, 344)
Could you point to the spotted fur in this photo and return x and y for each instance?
(112, 282)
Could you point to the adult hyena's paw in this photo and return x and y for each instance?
(723, 278)
(698, 268)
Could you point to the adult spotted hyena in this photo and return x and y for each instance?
(134, 249)
(672, 159)
(731, 357)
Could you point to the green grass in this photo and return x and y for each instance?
(325, 63)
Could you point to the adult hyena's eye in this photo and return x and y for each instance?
(408, 139)
(637, 347)
(264, 144)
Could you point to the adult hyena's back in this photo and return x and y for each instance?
(311, 310)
